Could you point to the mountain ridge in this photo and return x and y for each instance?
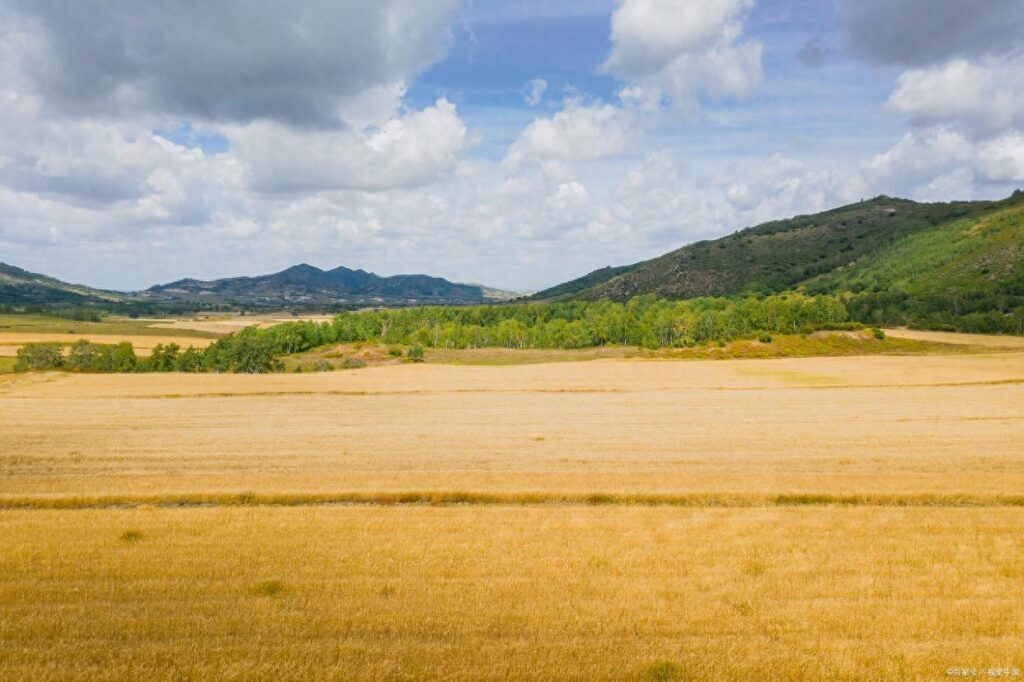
(298, 286)
(777, 255)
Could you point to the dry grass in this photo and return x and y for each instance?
(227, 324)
(943, 425)
(10, 342)
(538, 593)
(837, 518)
(824, 343)
(991, 341)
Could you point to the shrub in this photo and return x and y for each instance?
(84, 357)
(38, 356)
(415, 354)
(878, 333)
(662, 671)
(323, 366)
(395, 352)
(765, 338)
(122, 357)
(131, 536)
(353, 363)
(269, 588)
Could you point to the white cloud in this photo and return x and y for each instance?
(985, 96)
(345, 172)
(648, 35)
(1002, 159)
(407, 150)
(580, 132)
(928, 159)
(783, 186)
(301, 64)
(677, 51)
(534, 91)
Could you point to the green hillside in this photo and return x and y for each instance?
(957, 265)
(23, 288)
(581, 284)
(976, 254)
(967, 274)
(782, 254)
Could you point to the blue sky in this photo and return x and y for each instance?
(517, 144)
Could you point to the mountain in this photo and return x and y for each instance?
(820, 252)
(23, 288)
(300, 286)
(957, 266)
(306, 285)
(581, 284)
(974, 254)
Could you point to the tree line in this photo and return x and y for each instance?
(643, 321)
(972, 312)
(249, 351)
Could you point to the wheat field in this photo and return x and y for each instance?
(10, 342)
(497, 593)
(816, 518)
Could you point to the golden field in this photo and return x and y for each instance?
(840, 518)
(12, 341)
(492, 593)
(941, 425)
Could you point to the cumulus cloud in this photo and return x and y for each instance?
(579, 132)
(914, 33)
(308, 100)
(406, 151)
(780, 185)
(83, 87)
(962, 90)
(327, 162)
(676, 51)
(299, 64)
(930, 160)
(987, 96)
(657, 205)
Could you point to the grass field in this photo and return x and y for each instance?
(17, 330)
(824, 343)
(848, 518)
(143, 343)
(110, 326)
(491, 593)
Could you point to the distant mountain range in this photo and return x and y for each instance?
(300, 286)
(308, 285)
(882, 246)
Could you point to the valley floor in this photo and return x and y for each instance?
(807, 518)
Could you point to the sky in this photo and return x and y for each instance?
(513, 143)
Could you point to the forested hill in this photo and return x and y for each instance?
(816, 251)
(298, 287)
(582, 284)
(23, 288)
(309, 285)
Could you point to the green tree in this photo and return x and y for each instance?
(38, 356)
(190, 361)
(253, 352)
(123, 358)
(84, 357)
